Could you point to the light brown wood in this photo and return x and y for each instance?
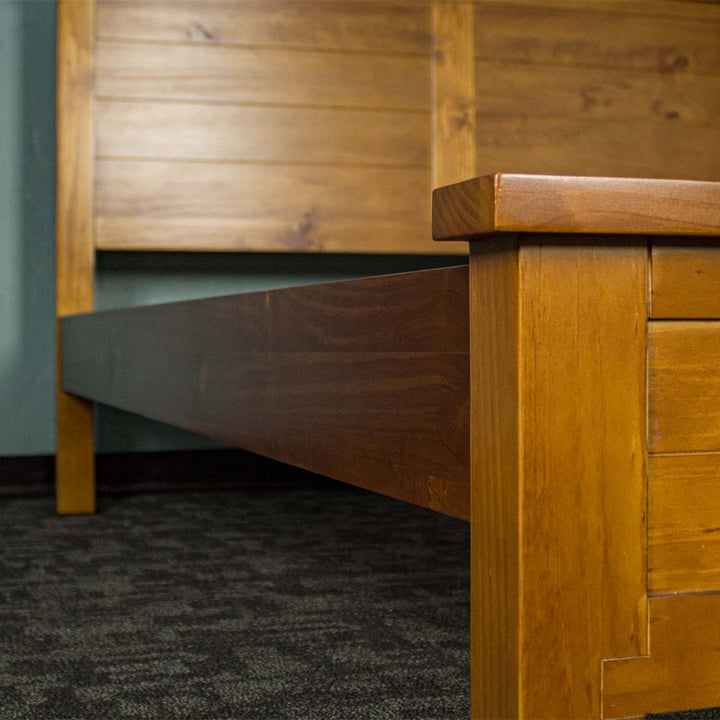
(218, 73)
(365, 381)
(557, 472)
(75, 473)
(144, 205)
(685, 280)
(390, 26)
(634, 97)
(556, 204)
(682, 672)
(684, 386)
(495, 480)
(684, 497)
(672, 38)
(189, 131)
(454, 102)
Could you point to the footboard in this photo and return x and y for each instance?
(595, 433)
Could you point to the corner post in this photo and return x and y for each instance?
(558, 478)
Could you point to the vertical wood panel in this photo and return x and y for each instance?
(494, 470)
(453, 93)
(75, 473)
(558, 490)
(582, 419)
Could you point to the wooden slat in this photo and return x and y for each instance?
(572, 146)
(365, 381)
(279, 135)
(512, 89)
(226, 206)
(684, 386)
(392, 26)
(75, 462)
(261, 75)
(685, 281)
(670, 38)
(683, 510)
(557, 471)
(544, 204)
(681, 673)
(454, 102)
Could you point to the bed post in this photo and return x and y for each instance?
(557, 471)
(75, 459)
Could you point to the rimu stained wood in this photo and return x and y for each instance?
(685, 280)
(681, 673)
(684, 386)
(684, 497)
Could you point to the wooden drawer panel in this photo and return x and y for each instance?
(684, 387)
(684, 523)
(685, 281)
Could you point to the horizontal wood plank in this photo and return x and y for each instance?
(555, 204)
(685, 280)
(661, 37)
(681, 672)
(575, 146)
(507, 88)
(261, 134)
(684, 533)
(225, 206)
(684, 386)
(261, 75)
(394, 26)
(363, 381)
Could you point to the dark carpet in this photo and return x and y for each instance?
(307, 604)
(296, 604)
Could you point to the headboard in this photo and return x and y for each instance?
(297, 126)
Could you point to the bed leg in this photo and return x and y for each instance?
(75, 459)
(558, 478)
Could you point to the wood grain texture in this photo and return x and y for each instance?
(495, 482)
(364, 381)
(146, 205)
(189, 131)
(454, 102)
(684, 386)
(584, 534)
(683, 509)
(635, 96)
(685, 280)
(557, 473)
(75, 473)
(681, 673)
(672, 38)
(218, 73)
(392, 26)
(556, 204)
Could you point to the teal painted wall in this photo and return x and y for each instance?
(27, 188)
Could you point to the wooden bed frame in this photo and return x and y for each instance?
(562, 393)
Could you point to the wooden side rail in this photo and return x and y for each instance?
(594, 501)
(365, 381)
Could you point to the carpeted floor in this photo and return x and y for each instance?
(331, 604)
(302, 605)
